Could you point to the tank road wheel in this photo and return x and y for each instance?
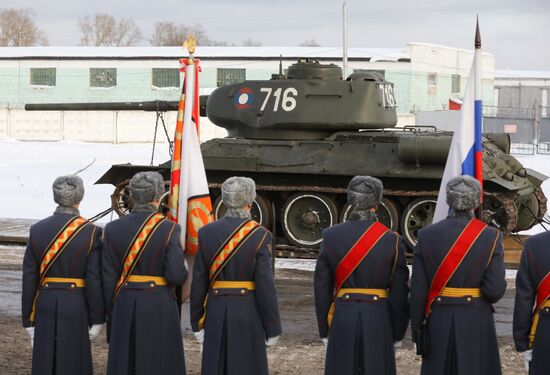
(261, 210)
(305, 216)
(418, 214)
(121, 201)
(528, 213)
(387, 212)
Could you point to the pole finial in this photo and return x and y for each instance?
(190, 44)
(478, 36)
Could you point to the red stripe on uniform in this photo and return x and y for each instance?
(354, 256)
(453, 259)
(543, 291)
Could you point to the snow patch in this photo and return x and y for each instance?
(27, 170)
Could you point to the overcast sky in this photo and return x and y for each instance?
(516, 31)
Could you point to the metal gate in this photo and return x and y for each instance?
(543, 145)
(519, 123)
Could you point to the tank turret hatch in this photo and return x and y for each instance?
(312, 69)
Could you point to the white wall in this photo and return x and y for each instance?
(448, 60)
(93, 126)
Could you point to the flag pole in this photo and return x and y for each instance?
(478, 117)
(184, 114)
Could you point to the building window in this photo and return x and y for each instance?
(455, 84)
(380, 72)
(432, 83)
(102, 77)
(544, 112)
(230, 76)
(432, 80)
(166, 77)
(43, 77)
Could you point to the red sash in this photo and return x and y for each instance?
(543, 292)
(353, 258)
(453, 259)
(543, 295)
(357, 253)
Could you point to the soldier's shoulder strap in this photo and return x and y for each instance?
(55, 248)
(230, 247)
(543, 300)
(358, 252)
(59, 243)
(453, 259)
(135, 249)
(353, 258)
(226, 251)
(543, 291)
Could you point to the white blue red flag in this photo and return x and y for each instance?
(465, 154)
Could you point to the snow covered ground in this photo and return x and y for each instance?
(27, 170)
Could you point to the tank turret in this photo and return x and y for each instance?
(311, 103)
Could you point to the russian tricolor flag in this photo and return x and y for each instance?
(465, 154)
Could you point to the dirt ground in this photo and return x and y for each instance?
(299, 350)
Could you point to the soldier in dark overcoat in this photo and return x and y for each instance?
(370, 310)
(234, 309)
(532, 333)
(138, 280)
(460, 329)
(62, 296)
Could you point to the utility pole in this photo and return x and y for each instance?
(21, 33)
(344, 40)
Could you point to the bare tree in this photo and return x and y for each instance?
(218, 43)
(309, 43)
(104, 30)
(170, 34)
(249, 42)
(17, 28)
(200, 35)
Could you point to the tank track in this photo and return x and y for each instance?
(541, 198)
(510, 211)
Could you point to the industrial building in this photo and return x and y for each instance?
(425, 76)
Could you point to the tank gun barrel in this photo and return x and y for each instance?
(150, 106)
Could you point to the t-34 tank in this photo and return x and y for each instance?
(302, 137)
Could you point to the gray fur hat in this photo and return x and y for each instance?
(364, 192)
(237, 192)
(68, 190)
(146, 187)
(463, 193)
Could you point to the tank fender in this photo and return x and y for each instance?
(535, 177)
(508, 185)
